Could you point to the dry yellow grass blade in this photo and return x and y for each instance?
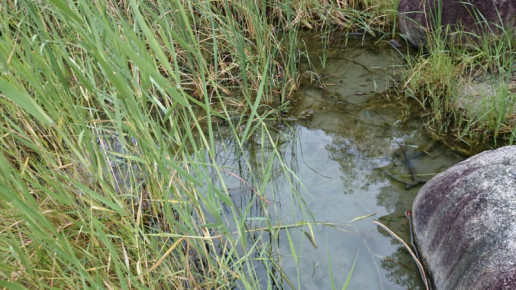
(163, 257)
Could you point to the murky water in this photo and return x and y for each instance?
(345, 138)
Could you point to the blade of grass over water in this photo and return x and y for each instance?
(350, 274)
(332, 280)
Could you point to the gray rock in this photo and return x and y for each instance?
(464, 222)
(415, 18)
(476, 97)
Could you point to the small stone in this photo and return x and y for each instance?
(394, 43)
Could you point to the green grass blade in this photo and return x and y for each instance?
(21, 98)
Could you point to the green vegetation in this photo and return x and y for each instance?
(110, 175)
(466, 88)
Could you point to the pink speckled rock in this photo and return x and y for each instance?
(415, 18)
(464, 222)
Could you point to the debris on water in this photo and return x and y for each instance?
(306, 114)
(408, 163)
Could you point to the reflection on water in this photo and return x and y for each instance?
(338, 170)
(343, 137)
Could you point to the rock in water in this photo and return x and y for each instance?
(417, 16)
(464, 222)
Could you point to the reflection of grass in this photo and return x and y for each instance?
(154, 76)
(441, 81)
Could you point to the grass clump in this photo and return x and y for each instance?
(465, 85)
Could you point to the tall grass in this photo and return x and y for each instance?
(110, 175)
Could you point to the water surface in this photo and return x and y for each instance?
(340, 138)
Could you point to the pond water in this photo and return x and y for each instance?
(343, 139)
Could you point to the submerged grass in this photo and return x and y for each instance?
(110, 175)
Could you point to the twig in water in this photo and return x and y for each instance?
(414, 257)
(414, 177)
